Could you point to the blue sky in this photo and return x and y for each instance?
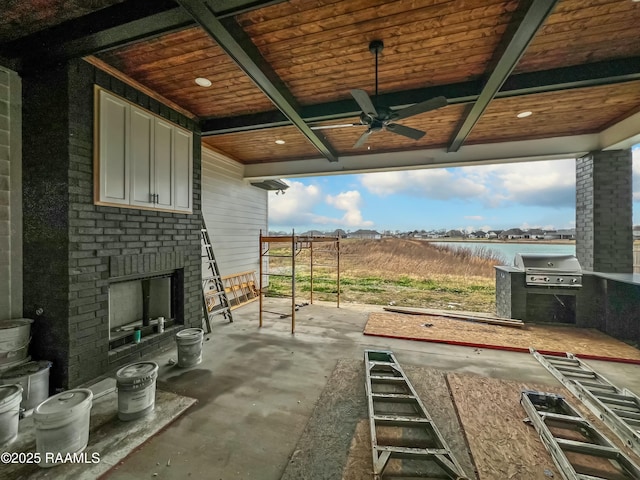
(525, 195)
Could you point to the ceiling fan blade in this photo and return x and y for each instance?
(422, 107)
(362, 139)
(405, 131)
(341, 125)
(364, 101)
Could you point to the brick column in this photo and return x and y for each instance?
(604, 236)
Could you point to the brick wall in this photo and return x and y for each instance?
(604, 236)
(86, 240)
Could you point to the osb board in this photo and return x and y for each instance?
(431, 386)
(336, 443)
(502, 445)
(585, 342)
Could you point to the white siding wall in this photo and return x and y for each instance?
(10, 195)
(235, 213)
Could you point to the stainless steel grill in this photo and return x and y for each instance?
(559, 271)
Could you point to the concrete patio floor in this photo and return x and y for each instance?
(256, 388)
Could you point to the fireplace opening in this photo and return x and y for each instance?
(137, 303)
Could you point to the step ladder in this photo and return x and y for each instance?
(403, 435)
(214, 296)
(578, 449)
(618, 408)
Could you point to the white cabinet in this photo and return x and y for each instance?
(112, 148)
(183, 169)
(141, 156)
(144, 161)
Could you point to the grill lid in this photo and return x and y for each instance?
(531, 262)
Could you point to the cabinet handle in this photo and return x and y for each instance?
(157, 198)
(152, 199)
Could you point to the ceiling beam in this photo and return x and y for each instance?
(103, 29)
(112, 27)
(234, 41)
(514, 44)
(608, 72)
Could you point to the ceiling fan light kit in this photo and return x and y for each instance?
(378, 117)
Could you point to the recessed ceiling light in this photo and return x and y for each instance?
(280, 142)
(524, 114)
(203, 82)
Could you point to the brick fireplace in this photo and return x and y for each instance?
(75, 251)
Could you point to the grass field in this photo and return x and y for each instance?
(404, 272)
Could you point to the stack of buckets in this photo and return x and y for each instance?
(15, 393)
(61, 422)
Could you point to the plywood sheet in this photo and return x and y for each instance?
(588, 343)
(502, 445)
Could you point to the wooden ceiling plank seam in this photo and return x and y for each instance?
(326, 39)
(96, 62)
(600, 33)
(532, 67)
(386, 68)
(588, 10)
(489, 36)
(237, 48)
(372, 17)
(516, 44)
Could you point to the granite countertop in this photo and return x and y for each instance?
(633, 278)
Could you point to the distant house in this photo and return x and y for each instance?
(636, 232)
(512, 234)
(566, 234)
(534, 234)
(365, 234)
(479, 234)
(494, 233)
(339, 233)
(454, 233)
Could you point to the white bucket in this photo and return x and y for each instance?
(62, 424)
(136, 390)
(14, 339)
(34, 378)
(10, 397)
(189, 343)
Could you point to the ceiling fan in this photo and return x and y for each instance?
(377, 117)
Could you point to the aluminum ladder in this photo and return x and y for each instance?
(401, 428)
(618, 408)
(214, 295)
(559, 425)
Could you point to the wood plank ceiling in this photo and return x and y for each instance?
(579, 74)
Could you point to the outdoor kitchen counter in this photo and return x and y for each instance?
(632, 278)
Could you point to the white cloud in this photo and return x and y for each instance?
(548, 183)
(296, 208)
(474, 217)
(349, 202)
(440, 184)
(545, 183)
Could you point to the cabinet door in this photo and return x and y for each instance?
(183, 168)
(142, 157)
(113, 161)
(164, 181)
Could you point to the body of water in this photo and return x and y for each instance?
(508, 250)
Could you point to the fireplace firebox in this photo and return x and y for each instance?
(137, 303)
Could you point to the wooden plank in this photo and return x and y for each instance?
(505, 322)
(584, 342)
